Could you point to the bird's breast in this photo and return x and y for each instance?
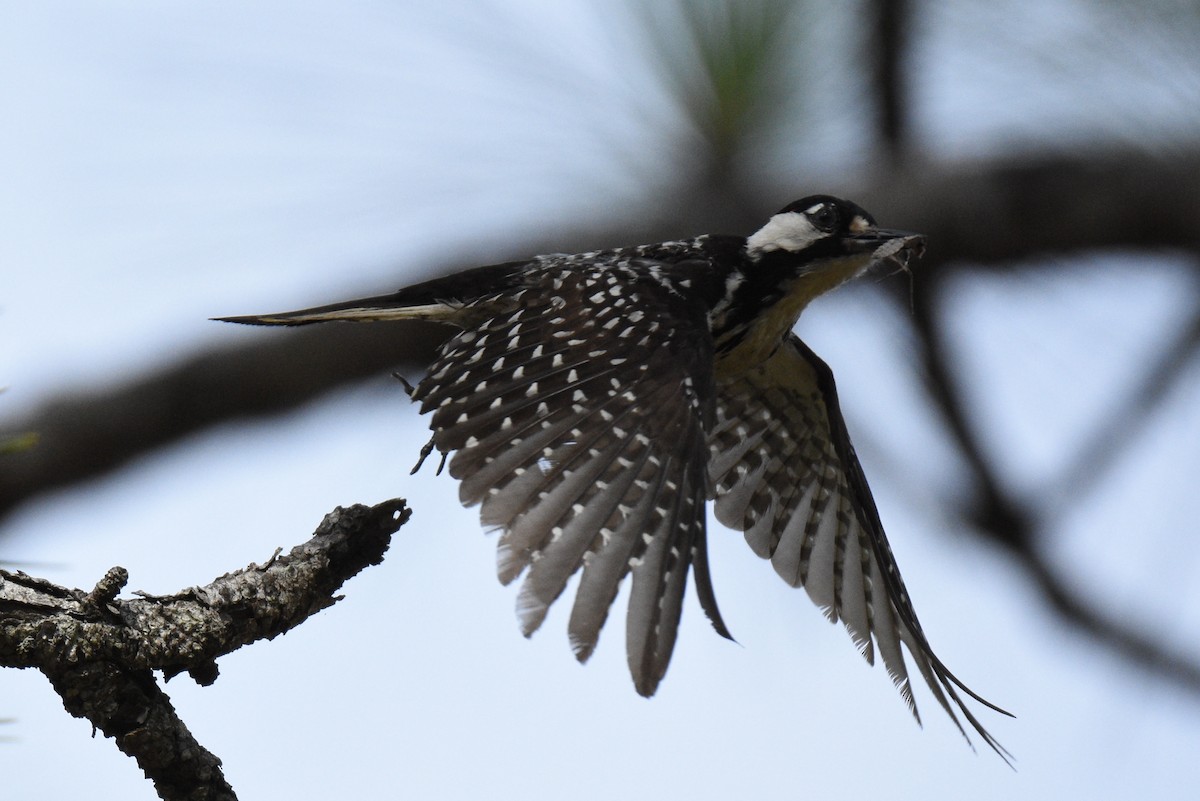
(759, 318)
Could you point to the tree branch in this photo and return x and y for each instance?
(99, 652)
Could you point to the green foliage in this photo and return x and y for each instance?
(731, 65)
(15, 443)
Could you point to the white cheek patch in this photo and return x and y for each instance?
(788, 231)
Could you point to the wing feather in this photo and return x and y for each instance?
(579, 504)
(546, 503)
(800, 495)
(578, 421)
(853, 598)
(559, 558)
(607, 565)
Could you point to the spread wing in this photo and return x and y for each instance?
(786, 474)
(577, 418)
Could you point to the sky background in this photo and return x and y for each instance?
(165, 164)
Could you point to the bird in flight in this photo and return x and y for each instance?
(594, 403)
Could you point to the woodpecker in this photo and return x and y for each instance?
(592, 404)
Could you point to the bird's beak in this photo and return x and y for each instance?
(887, 246)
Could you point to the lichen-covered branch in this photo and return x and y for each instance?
(99, 652)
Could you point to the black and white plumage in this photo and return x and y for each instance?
(594, 403)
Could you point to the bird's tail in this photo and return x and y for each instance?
(382, 307)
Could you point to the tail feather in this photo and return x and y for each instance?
(383, 307)
(438, 299)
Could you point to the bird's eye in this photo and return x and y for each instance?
(824, 217)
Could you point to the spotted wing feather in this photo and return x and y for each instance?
(576, 417)
(786, 474)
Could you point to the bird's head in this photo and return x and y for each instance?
(807, 249)
(831, 238)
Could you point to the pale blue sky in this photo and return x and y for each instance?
(162, 165)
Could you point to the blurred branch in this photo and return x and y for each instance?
(16, 443)
(87, 433)
(993, 213)
(998, 515)
(1130, 640)
(990, 509)
(1002, 214)
(1129, 415)
(887, 50)
(99, 652)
